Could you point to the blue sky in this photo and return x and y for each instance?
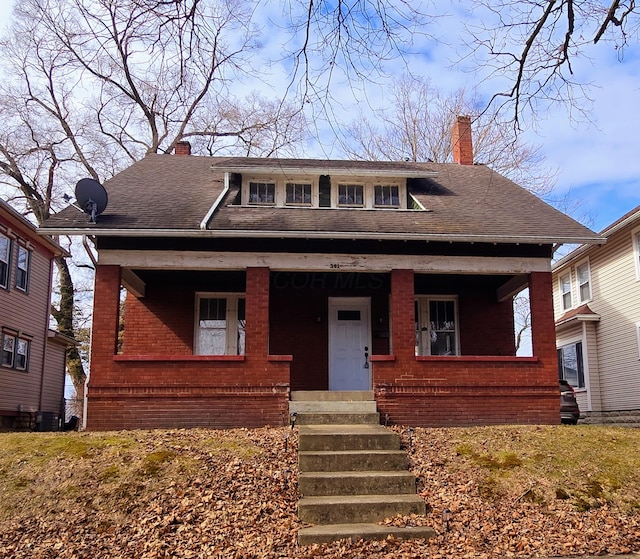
(598, 161)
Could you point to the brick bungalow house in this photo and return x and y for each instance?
(248, 278)
(32, 365)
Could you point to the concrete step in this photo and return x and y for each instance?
(346, 437)
(332, 395)
(357, 508)
(356, 483)
(352, 460)
(337, 418)
(303, 406)
(354, 532)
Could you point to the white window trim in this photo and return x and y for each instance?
(578, 291)
(635, 240)
(231, 332)
(424, 318)
(562, 293)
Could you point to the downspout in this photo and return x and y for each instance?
(45, 345)
(85, 398)
(214, 207)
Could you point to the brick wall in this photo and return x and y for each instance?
(157, 382)
(469, 390)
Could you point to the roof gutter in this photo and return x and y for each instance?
(375, 235)
(214, 207)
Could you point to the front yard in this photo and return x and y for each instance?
(511, 490)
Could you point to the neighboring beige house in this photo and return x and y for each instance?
(597, 309)
(32, 360)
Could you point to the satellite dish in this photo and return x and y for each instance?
(91, 197)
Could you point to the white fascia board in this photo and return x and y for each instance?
(334, 171)
(339, 235)
(303, 262)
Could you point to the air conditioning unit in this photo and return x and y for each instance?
(47, 421)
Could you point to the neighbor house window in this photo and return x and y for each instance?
(350, 195)
(262, 193)
(570, 364)
(15, 352)
(636, 252)
(220, 328)
(5, 260)
(386, 196)
(436, 326)
(565, 292)
(584, 282)
(22, 269)
(298, 193)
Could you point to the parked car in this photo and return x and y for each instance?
(569, 410)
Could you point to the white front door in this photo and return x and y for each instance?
(349, 343)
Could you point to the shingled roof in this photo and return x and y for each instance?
(168, 195)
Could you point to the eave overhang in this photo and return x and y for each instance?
(328, 170)
(375, 235)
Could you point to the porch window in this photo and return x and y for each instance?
(386, 195)
(262, 193)
(220, 328)
(584, 282)
(436, 326)
(5, 264)
(570, 364)
(565, 292)
(298, 194)
(22, 270)
(350, 195)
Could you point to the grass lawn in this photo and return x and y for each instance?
(512, 490)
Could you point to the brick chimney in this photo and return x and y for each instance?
(462, 142)
(183, 148)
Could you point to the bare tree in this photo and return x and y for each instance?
(92, 85)
(418, 124)
(535, 44)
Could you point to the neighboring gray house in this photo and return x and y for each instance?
(597, 310)
(32, 364)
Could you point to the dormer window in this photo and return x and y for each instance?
(262, 193)
(386, 196)
(324, 191)
(298, 194)
(350, 195)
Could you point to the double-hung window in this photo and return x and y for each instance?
(15, 352)
(436, 326)
(570, 364)
(220, 324)
(5, 260)
(565, 291)
(584, 282)
(22, 268)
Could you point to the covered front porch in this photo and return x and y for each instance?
(224, 348)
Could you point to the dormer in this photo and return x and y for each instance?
(343, 185)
